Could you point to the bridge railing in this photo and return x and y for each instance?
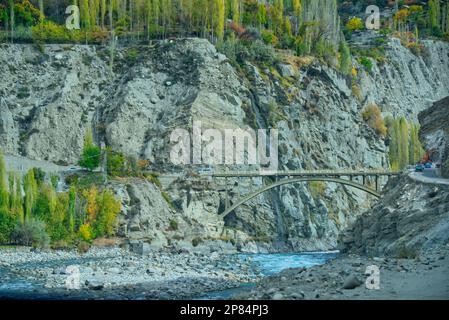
(293, 173)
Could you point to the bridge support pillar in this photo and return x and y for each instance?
(377, 183)
(227, 205)
(364, 180)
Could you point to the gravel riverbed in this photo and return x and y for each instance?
(114, 273)
(423, 277)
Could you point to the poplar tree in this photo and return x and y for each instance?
(31, 192)
(403, 143)
(345, 58)
(103, 13)
(72, 209)
(41, 8)
(236, 11)
(262, 15)
(297, 12)
(220, 19)
(11, 18)
(4, 195)
(84, 14)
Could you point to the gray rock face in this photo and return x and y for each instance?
(435, 133)
(48, 100)
(407, 84)
(410, 218)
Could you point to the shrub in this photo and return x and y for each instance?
(72, 179)
(3, 14)
(90, 159)
(51, 32)
(372, 116)
(54, 178)
(116, 163)
(357, 92)
(7, 223)
(345, 58)
(91, 156)
(354, 24)
(85, 232)
(168, 199)
(31, 233)
(39, 175)
(153, 178)
(132, 54)
(108, 209)
(269, 37)
(262, 53)
(60, 245)
(196, 242)
(83, 246)
(367, 63)
(25, 13)
(317, 188)
(406, 253)
(173, 225)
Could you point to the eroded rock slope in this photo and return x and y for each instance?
(49, 99)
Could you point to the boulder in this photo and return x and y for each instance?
(351, 282)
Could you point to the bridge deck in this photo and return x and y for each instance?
(294, 173)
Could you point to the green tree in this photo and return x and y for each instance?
(220, 18)
(91, 156)
(354, 24)
(262, 15)
(393, 150)
(7, 223)
(297, 8)
(72, 209)
(345, 58)
(404, 143)
(108, 209)
(16, 199)
(84, 14)
(235, 11)
(31, 192)
(416, 150)
(4, 194)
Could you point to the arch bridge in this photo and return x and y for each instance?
(281, 178)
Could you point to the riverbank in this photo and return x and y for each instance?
(423, 277)
(113, 273)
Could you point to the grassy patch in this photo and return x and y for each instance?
(317, 188)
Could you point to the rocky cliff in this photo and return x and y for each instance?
(411, 218)
(49, 98)
(435, 133)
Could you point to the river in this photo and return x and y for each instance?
(25, 287)
(272, 263)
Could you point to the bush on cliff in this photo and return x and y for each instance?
(372, 116)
